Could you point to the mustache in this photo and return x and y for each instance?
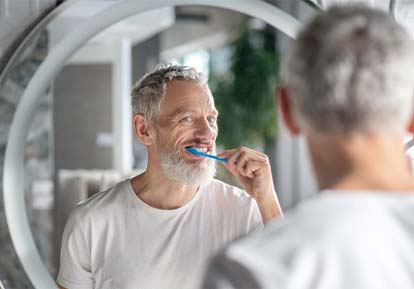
(199, 142)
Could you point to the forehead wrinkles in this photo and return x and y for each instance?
(210, 99)
(195, 98)
(208, 106)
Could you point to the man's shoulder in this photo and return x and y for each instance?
(104, 200)
(297, 234)
(352, 214)
(328, 230)
(339, 223)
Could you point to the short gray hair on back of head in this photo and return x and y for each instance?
(351, 70)
(149, 91)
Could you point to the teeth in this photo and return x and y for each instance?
(202, 149)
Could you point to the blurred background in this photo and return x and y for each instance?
(81, 140)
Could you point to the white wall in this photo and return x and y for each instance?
(189, 36)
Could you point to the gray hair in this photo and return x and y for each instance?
(149, 91)
(351, 70)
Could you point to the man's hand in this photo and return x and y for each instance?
(252, 169)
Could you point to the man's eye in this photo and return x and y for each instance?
(186, 119)
(212, 119)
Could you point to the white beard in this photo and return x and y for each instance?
(177, 169)
(174, 166)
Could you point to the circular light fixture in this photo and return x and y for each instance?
(13, 184)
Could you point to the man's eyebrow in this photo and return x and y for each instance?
(183, 110)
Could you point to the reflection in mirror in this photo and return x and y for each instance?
(81, 139)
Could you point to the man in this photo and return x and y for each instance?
(349, 89)
(158, 229)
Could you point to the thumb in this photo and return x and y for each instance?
(227, 153)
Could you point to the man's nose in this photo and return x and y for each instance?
(205, 130)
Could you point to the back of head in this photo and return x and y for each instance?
(351, 70)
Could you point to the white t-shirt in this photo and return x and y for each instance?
(338, 240)
(116, 241)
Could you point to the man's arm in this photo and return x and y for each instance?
(253, 171)
(75, 260)
(270, 208)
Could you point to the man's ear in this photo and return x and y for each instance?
(286, 109)
(410, 126)
(143, 129)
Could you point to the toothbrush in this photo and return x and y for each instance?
(196, 152)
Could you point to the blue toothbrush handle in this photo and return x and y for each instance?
(196, 152)
(224, 160)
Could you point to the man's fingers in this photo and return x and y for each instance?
(231, 152)
(227, 153)
(244, 161)
(241, 161)
(248, 166)
(251, 168)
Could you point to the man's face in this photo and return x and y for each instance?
(188, 118)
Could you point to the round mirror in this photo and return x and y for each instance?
(37, 85)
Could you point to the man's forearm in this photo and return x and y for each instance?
(270, 208)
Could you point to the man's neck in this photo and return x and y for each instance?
(156, 190)
(361, 163)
